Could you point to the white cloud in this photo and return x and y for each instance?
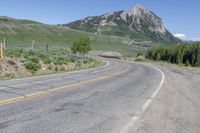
(180, 36)
(185, 37)
(195, 39)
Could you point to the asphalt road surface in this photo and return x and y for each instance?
(120, 97)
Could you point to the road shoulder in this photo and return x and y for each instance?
(176, 108)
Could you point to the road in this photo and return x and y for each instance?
(120, 97)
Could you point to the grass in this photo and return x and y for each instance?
(20, 33)
(195, 70)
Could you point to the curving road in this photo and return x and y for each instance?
(115, 98)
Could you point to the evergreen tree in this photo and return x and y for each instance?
(197, 56)
(188, 54)
(187, 63)
(157, 56)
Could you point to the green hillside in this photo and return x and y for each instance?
(20, 33)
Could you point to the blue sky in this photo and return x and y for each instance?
(180, 16)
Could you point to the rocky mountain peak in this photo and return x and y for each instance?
(137, 10)
(138, 20)
(143, 18)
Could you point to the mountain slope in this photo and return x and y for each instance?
(138, 23)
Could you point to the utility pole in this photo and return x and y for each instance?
(1, 50)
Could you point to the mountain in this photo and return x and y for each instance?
(138, 23)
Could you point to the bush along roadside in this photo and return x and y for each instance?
(28, 62)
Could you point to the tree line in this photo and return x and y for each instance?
(188, 54)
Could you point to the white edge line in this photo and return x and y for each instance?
(146, 104)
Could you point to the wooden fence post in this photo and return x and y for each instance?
(70, 52)
(1, 50)
(47, 47)
(33, 44)
(4, 43)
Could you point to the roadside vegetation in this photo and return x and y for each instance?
(20, 62)
(81, 46)
(187, 54)
(140, 58)
(21, 33)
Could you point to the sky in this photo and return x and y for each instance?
(181, 17)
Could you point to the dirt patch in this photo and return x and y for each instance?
(12, 67)
(108, 54)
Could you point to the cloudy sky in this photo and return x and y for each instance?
(181, 17)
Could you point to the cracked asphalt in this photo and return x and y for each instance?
(102, 100)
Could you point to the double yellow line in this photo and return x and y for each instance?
(54, 90)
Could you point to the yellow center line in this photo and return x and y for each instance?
(54, 90)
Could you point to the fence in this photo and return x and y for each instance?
(2, 47)
(1, 51)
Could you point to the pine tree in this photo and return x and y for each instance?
(197, 56)
(187, 63)
(157, 56)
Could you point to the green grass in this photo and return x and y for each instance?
(20, 33)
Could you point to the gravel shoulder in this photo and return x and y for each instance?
(176, 109)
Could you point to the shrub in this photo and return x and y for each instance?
(72, 59)
(32, 66)
(187, 63)
(42, 56)
(85, 61)
(139, 54)
(46, 61)
(78, 63)
(140, 58)
(58, 60)
(34, 60)
(62, 68)
(50, 67)
(28, 54)
(56, 69)
(9, 75)
(82, 46)
(15, 52)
